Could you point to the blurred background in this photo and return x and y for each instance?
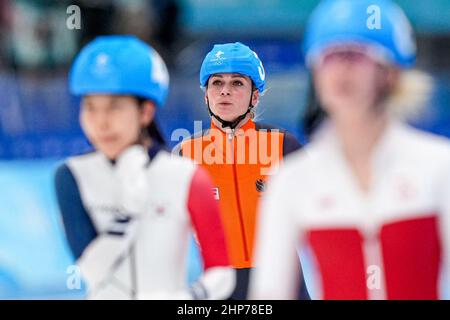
(39, 118)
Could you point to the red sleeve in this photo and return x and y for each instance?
(205, 217)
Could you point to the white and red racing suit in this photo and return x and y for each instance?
(123, 256)
(392, 242)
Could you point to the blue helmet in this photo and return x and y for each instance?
(120, 65)
(380, 24)
(233, 58)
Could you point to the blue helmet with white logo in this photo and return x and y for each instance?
(379, 24)
(120, 65)
(233, 58)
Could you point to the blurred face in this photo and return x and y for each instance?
(114, 122)
(229, 95)
(349, 83)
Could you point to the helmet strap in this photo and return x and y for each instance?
(231, 124)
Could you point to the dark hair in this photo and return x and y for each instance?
(314, 113)
(152, 130)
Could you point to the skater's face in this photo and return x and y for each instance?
(349, 83)
(229, 95)
(114, 122)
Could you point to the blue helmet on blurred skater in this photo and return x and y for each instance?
(120, 65)
(379, 24)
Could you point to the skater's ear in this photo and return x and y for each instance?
(148, 109)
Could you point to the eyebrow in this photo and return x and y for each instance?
(235, 75)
